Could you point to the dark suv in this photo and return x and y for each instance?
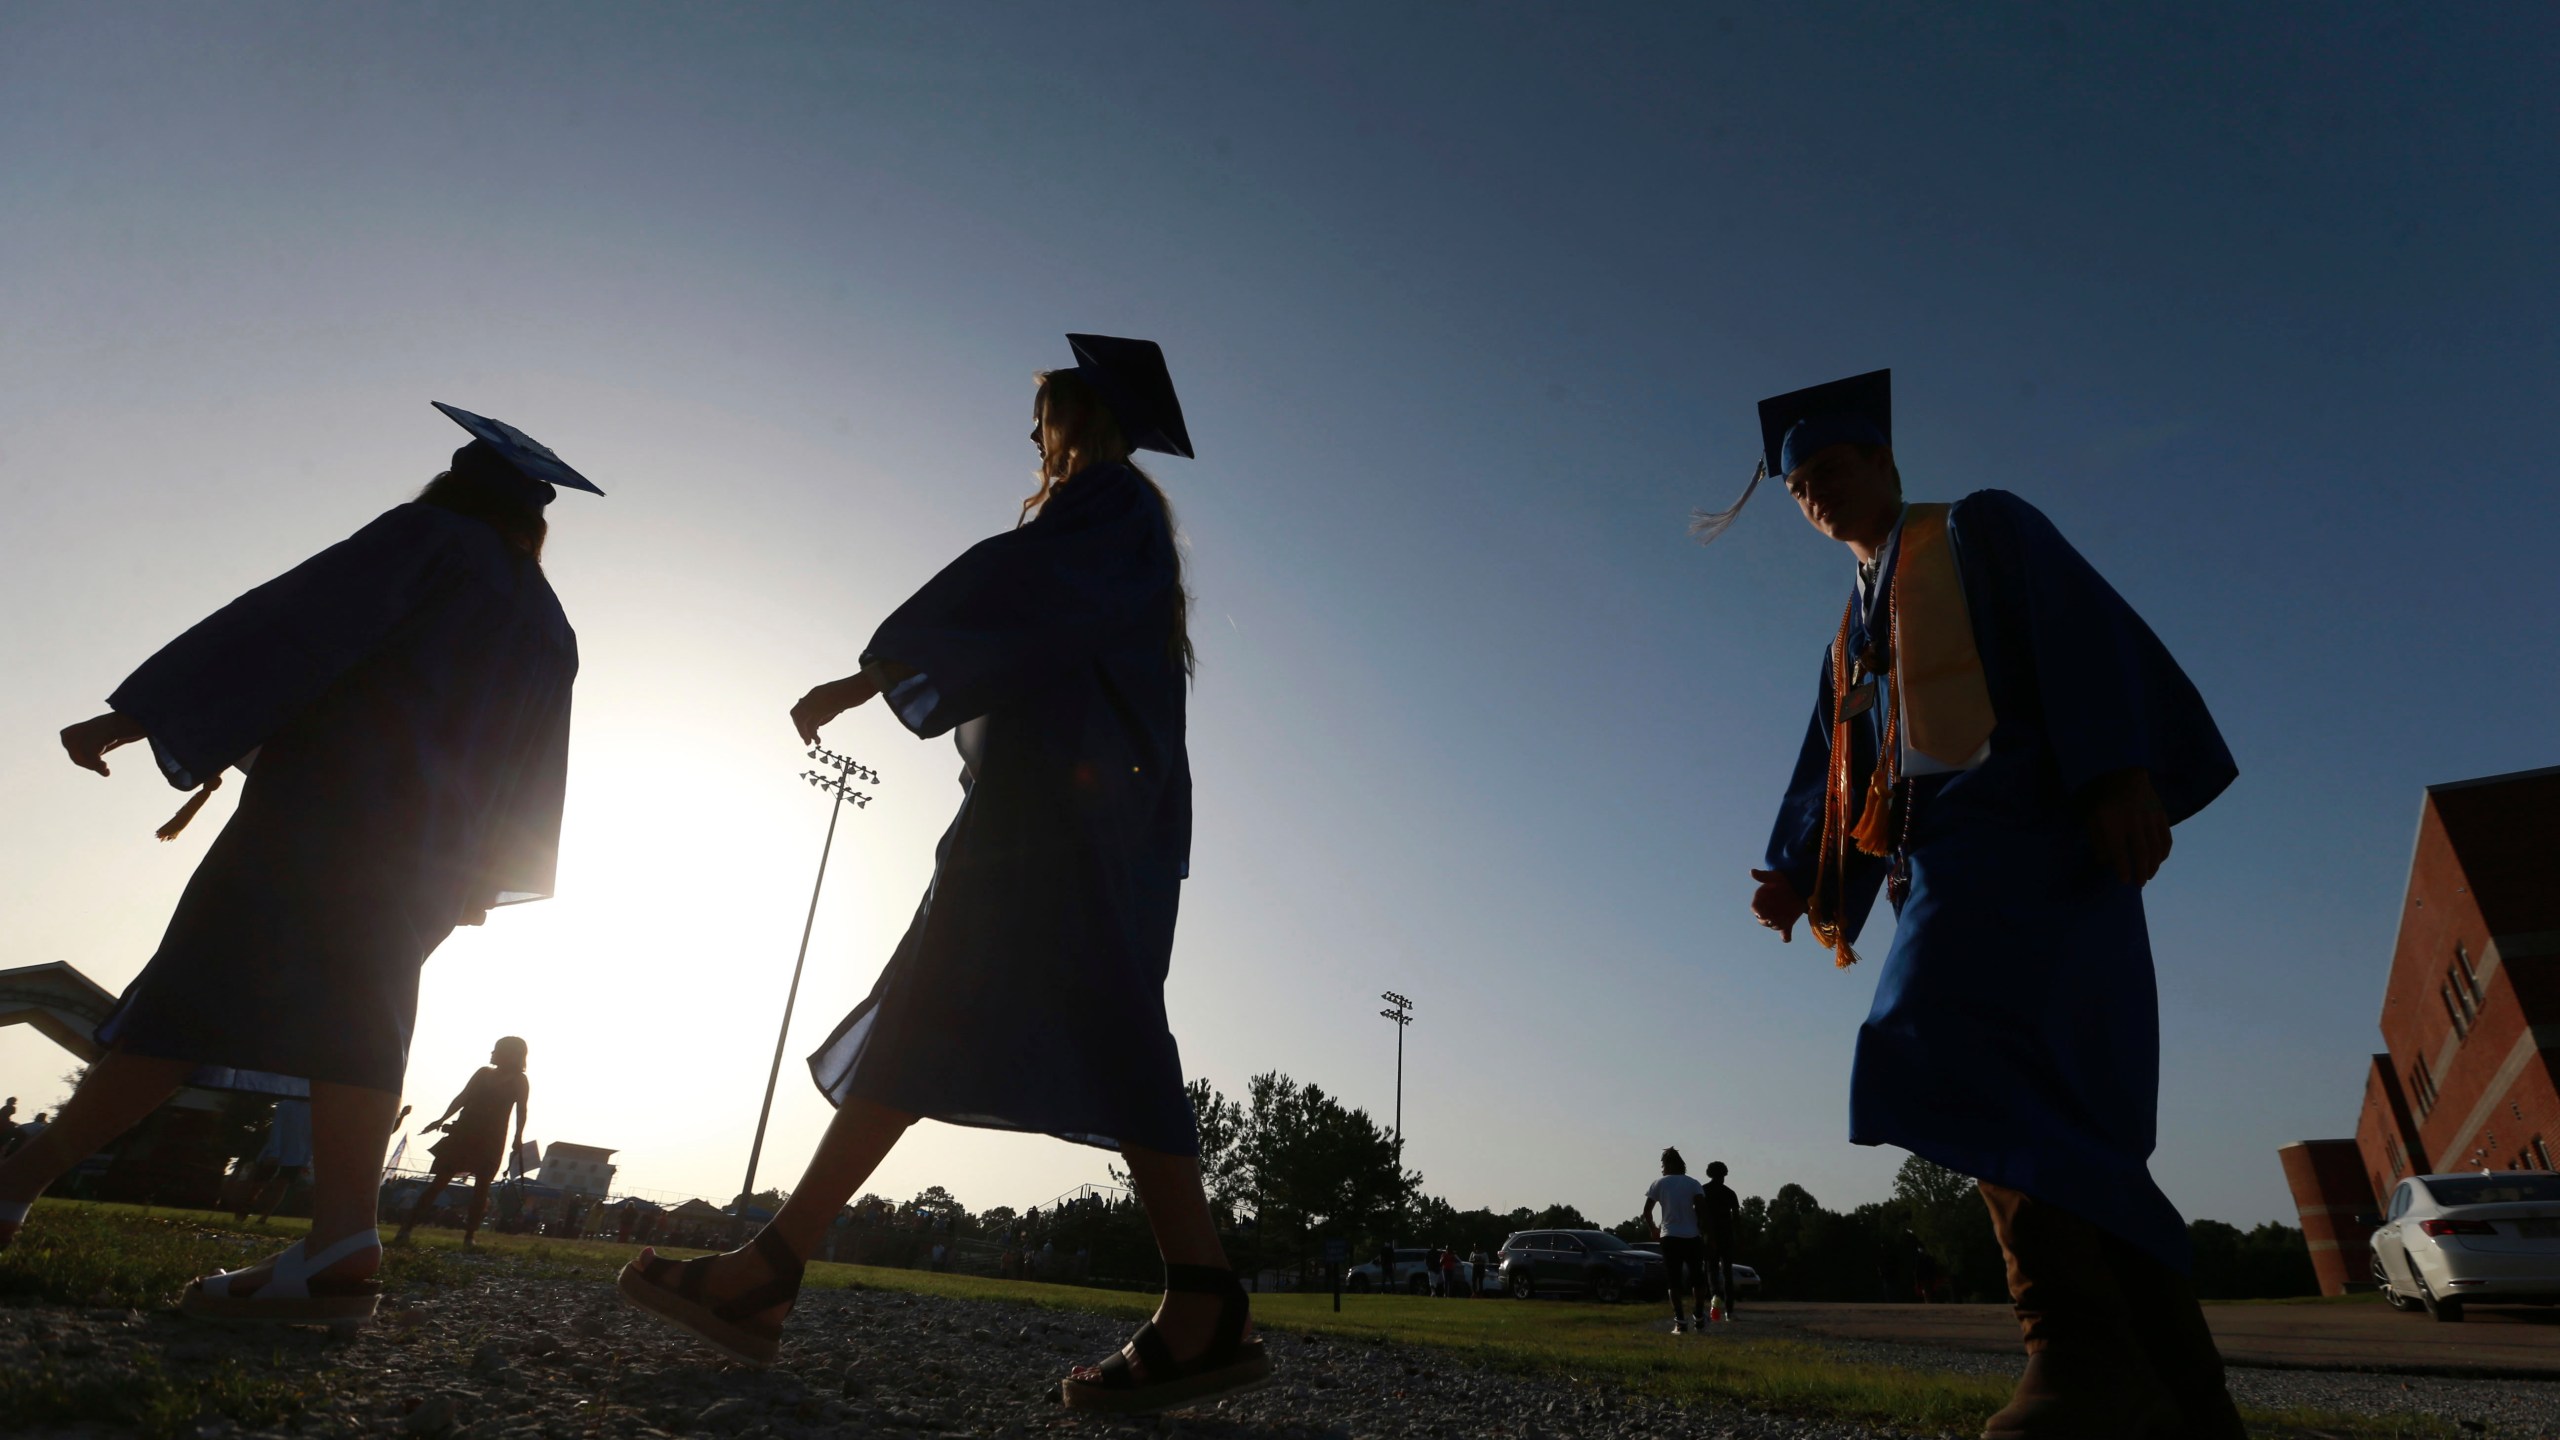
(1579, 1262)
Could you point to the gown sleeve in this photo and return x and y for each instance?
(218, 691)
(1022, 608)
(1795, 841)
(2112, 696)
(524, 839)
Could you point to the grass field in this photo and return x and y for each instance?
(86, 1255)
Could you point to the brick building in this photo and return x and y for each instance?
(2470, 1019)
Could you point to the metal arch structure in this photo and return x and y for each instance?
(65, 1006)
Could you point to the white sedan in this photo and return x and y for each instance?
(2489, 1237)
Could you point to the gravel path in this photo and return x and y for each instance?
(2498, 1408)
(494, 1359)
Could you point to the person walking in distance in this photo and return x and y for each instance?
(1028, 993)
(1719, 1216)
(475, 1138)
(400, 704)
(1671, 1212)
(2001, 745)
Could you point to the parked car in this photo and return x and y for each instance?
(1744, 1277)
(1413, 1274)
(1579, 1262)
(2490, 1237)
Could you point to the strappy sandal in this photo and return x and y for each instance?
(672, 1291)
(295, 1292)
(1234, 1361)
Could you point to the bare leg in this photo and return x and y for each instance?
(861, 1135)
(347, 1124)
(857, 1140)
(113, 1097)
(422, 1206)
(275, 1191)
(1178, 1216)
(479, 1207)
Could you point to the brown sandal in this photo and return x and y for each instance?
(672, 1291)
(1233, 1362)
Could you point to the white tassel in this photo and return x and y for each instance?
(1706, 525)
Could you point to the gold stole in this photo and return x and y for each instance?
(1938, 692)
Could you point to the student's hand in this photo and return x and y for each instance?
(1776, 903)
(2128, 826)
(88, 742)
(829, 701)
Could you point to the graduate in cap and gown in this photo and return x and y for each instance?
(2001, 745)
(1028, 993)
(400, 704)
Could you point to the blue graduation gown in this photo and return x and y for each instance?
(2015, 1034)
(406, 696)
(1028, 992)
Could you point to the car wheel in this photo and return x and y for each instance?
(2443, 1311)
(1607, 1291)
(1419, 1285)
(2391, 1297)
(1359, 1285)
(1521, 1289)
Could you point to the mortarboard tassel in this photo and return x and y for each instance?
(1706, 525)
(187, 812)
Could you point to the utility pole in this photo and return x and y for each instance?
(839, 788)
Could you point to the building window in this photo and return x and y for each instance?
(2422, 1087)
(2391, 1149)
(2541, 1153)
(2470, 977)
(2453, 1012)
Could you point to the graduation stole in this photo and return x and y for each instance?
(1938, 691)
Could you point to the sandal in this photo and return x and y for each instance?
(295, 1292)
(672, 1291)
(1234, 1360)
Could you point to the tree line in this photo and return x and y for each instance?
(1289, 1167)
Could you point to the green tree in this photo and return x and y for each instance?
(1223, 1172)
(1315, 1167)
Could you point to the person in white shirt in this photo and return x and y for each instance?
(1676, 1194)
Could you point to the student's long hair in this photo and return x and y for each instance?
(1091, 431)
(473, 488)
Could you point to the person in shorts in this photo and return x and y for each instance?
(1675, 1194)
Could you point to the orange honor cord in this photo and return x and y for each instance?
(1831, 860)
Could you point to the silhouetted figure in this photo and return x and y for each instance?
(475, 1139)
(627, 1220)
(283, 1156)
(2000, 744)
(400, 703)
(1719, 1213)
(1028, 993)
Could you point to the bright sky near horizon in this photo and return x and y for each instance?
(2256, 303)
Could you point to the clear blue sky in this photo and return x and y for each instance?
(1468, 305)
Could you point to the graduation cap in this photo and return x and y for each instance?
(1801, 424)
(1131, 378)
(1796, 426)
(519, 456)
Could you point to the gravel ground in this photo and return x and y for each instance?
(492, 1359)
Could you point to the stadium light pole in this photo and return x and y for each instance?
(839, 788)
(1402, 1014)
